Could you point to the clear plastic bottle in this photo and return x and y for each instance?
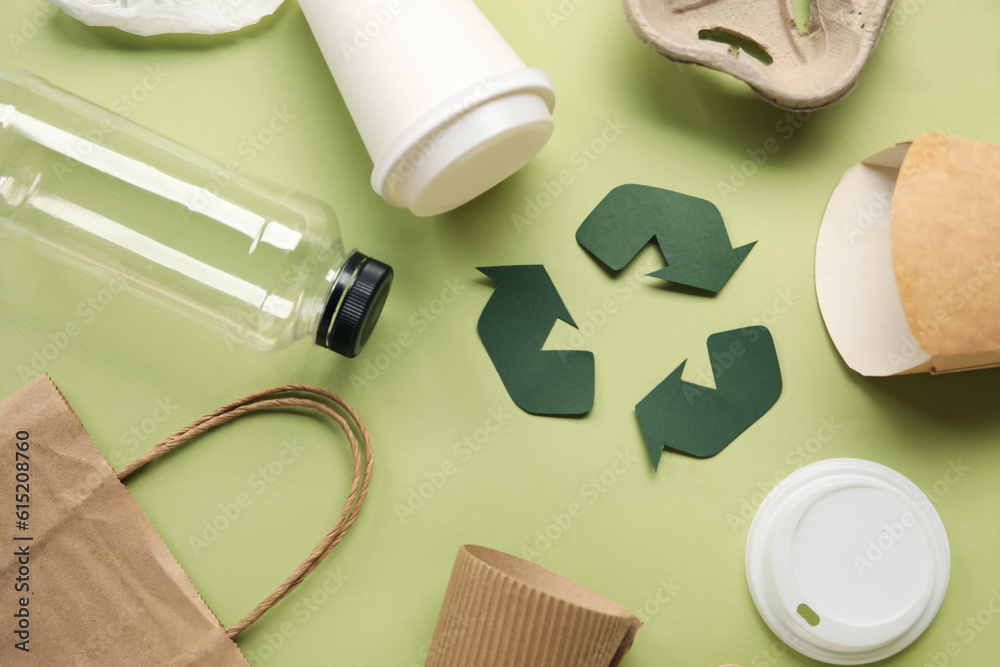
(241, 255)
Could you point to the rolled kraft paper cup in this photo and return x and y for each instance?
(501, 611)
(445, 107)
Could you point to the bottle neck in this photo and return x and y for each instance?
(318, 276)
(354, 304)
(342, 279)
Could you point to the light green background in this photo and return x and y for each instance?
(686, 129)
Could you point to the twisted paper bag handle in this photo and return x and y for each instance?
(262, 400)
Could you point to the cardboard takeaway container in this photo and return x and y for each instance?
(907, 259)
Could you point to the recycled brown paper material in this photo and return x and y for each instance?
(502, 611)
(84, 577)
(807, 71)
(908, 257)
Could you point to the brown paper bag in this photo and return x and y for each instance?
(85, 578)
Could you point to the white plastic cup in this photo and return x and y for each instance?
(445, 107)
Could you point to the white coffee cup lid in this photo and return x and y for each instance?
(847, 561)
(468, 143)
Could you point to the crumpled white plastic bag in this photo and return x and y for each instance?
(155, 17)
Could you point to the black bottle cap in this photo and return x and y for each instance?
(354, 305)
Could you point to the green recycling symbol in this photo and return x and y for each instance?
(676, 415)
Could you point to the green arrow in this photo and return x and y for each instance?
(514, 325)
(699, 421)
(690, 232)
